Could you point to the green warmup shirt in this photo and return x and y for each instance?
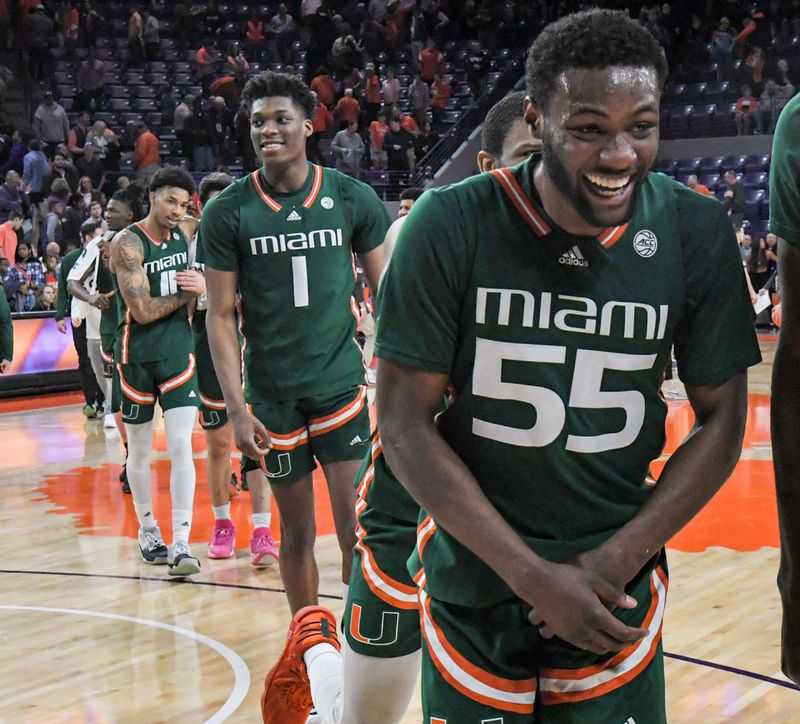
(294, 257)
(109, 318)
(784, 175)
(6, 329)
(556, 347)
(63, 298)
(169, 336)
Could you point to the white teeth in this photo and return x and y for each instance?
(608, 182)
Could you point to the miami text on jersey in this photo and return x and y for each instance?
(573, 314)
(179, 258)
(296, 241)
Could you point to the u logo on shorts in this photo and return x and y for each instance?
(390, 626)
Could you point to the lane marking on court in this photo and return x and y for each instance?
(241, 674)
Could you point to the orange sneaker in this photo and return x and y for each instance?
(287, 693)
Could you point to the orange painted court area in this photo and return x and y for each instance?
(742, 516)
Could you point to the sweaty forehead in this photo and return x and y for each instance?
(272, 104)
(585, 86)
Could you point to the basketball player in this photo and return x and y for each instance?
(373, 681)
(156, 361)
(219, 434)
(784, 221)
(549, 296)
(285, 235)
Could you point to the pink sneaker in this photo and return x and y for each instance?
(222, 539)
(262, 546)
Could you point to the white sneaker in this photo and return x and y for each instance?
(109, 422)
(182, 562)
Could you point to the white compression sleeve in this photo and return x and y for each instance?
(178, 424)
(140, 444)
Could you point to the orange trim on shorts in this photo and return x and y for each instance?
(107, 358)
(323, 425)
(178, 380)
(425, 531)
(289, 440)
(131, 392)
(212, 404)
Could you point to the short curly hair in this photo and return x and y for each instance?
(172, 176)
(213, 182)
(269, 84)
(498, 122)
(592, 40)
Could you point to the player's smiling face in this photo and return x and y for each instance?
(600, 138)
(278, 130)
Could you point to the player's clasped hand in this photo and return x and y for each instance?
(250, 435)
(191, 281)
(573, 603)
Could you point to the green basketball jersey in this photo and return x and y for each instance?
(171, 335)
(294, 257)
(784, 175)
(556, 346)
(109, 318)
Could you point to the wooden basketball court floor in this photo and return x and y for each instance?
(90, 634)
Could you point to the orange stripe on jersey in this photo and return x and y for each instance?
(141, 228)
(178, 380)
(571, 685)
(126, 337)
(611, 236)
(521, 201)
(143, 398)
(321, 425)
(315, 187)
(265, 197)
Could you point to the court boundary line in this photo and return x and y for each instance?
(678, 657)
(241, 673)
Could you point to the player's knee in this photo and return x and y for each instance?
(298, 534)
(219, 446)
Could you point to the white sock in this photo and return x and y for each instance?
(139, 454)
(178, 424)
(325, 672)
(262, 520)
(222, 512)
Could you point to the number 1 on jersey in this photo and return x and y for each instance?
(300, 281)
(169, 285)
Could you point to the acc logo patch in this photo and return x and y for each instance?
(326, 202)
(645, 243)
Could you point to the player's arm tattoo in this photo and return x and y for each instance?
(127, 255)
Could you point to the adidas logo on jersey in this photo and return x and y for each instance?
(294, 216)
(573, 257)
(356, 441)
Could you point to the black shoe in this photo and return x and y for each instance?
(123, 477)
(152, 546)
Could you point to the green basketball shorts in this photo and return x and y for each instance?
(491, 666)
(330, 428)
(107, 353)
(213, 412)
(171, 381)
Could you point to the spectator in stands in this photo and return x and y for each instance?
(77, 136)
(784, 78)
(320, 123)
(407, 200)
(105, 144)
(477, 69)
(391, 88)
(59, 188)
(52, 260)
(127, 139)
(96, 213)
(348, 149)
(151, 36)
(221, 125)
(722, 47)
(35, 168)
(9, 234)
(324, 86)
(198, 136)
(770, 105)
(758, 263)
(753, 68)
(348, 109)
(236, 64)
(282, 26)
(431, 61)
(87, 192)
(91, 166)
(93, 24)
(135, 41)
(146, 159)
(426, 140)
(693, 183)
(182, 111)
(377, 132)
(50, 122)
(74, 216)
(71, 22)
(19, 148)
(61, 168)
(734, 199)
(39, 34)
(45, 299)
(399, 146)
(24, 278)
(11, 197)
(91, 83)
(744, 111)
(205, 63)
(167, 104)
(440, 90)
(419, 95)
(53, 231)
(255, 36)
(372, 93)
